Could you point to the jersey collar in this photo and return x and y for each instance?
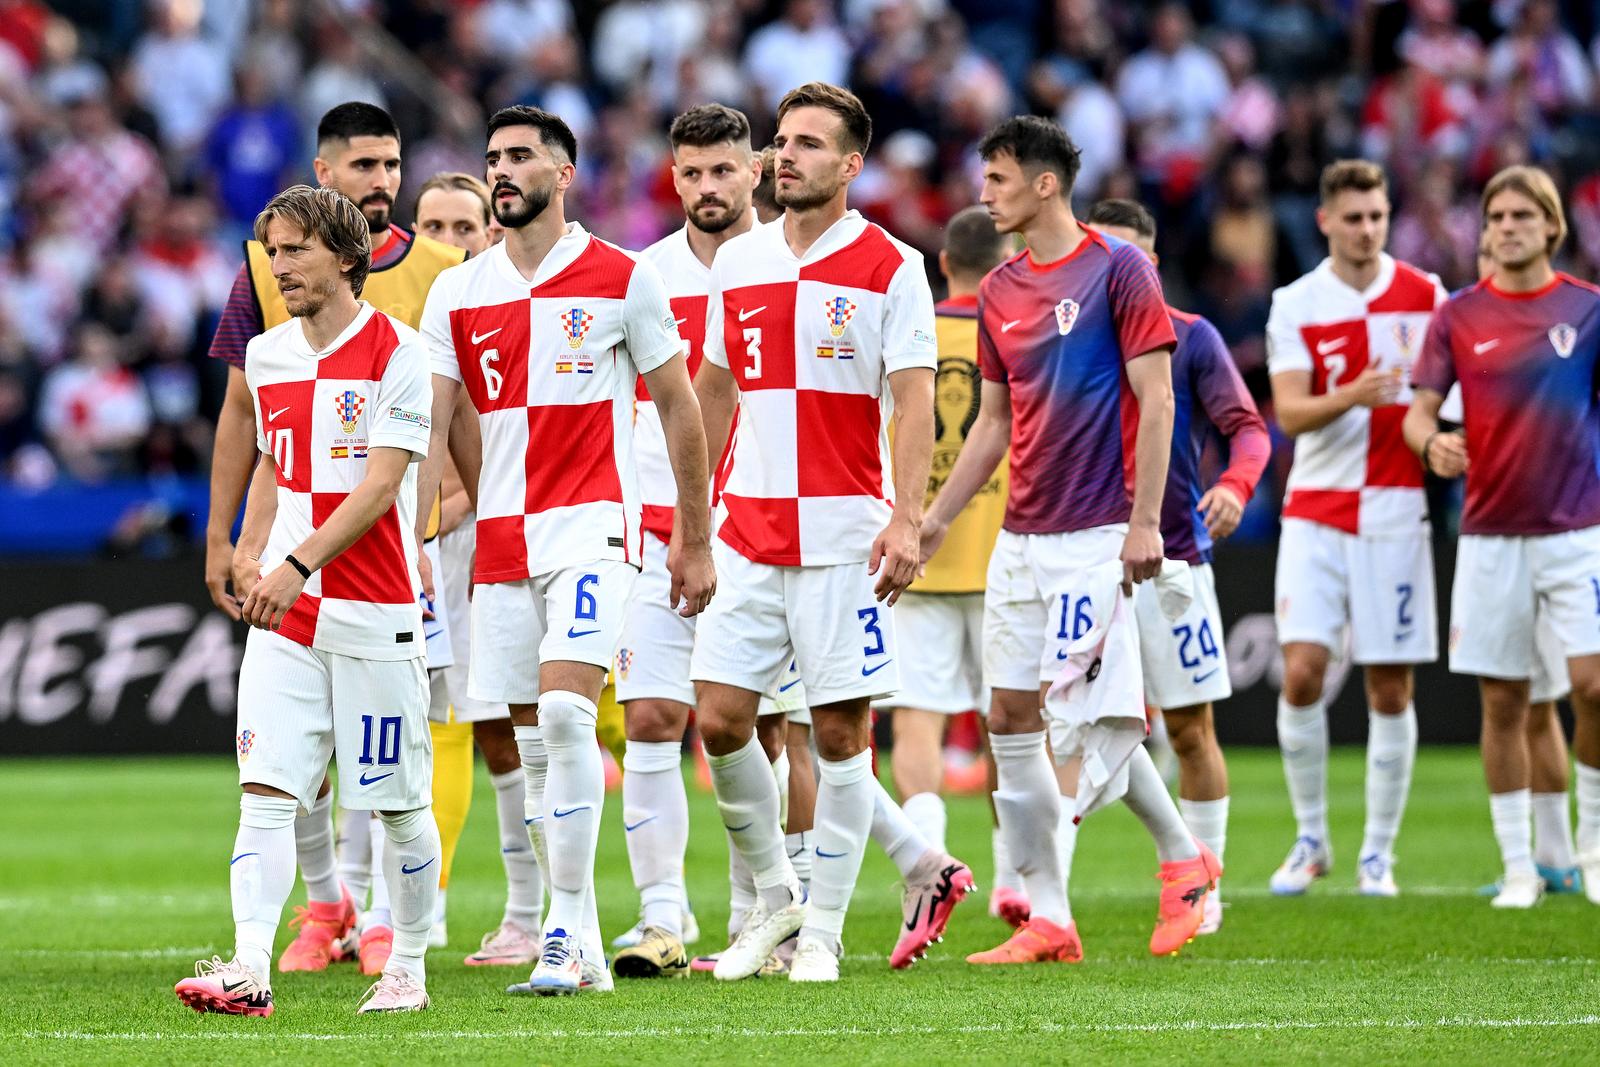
(567, 248)
(848, 227)
(302, 347)
(1380, 283)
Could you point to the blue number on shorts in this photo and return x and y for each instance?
(1404, 590)
(585, 608)
(1082, 621)
(1203, 637)
(870, 617)
(388, 741)
(1595, 584)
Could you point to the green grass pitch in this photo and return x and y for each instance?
(113, 880)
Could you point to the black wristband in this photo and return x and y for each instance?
(1426, 444)
(305, 572)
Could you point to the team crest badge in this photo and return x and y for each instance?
(840, 310)
(624, 661)
(1405, 335)
(1066, 316)
(348, 406)
(247, 739)
(1563, 336)
(575, 322)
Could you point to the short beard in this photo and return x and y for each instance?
(717, 225)
(804, 197)
(313, 299)
(378, 215)
(534, 201)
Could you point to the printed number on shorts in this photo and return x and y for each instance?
(585, 607)
(1202, 636)
(1403, 614)
(1082, 620)
(752, 349)
(388, 741)
(870, 617)
(492, 379)
(1594, 583)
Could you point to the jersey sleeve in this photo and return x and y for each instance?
(403, 414)
(438, 339)
(908, 331)
(240, 321)
(989, 365)
(1436, 368)
(712, 347)
(1286, 349)
(262, 445)
(1138, 306)
(1228, 405)
(648, 324)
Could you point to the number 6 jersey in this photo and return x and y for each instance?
(1356, 473)
(550, 366)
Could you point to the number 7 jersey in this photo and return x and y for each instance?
(1355, 474)
(551, 365)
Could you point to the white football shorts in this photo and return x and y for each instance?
(1504, 585)
(451, 701)
(1185, 659)
(1380, 587)
(1034, 582)
(653, 654)
(574, 614)
(299, 707)
(842, 638)
(942, 634)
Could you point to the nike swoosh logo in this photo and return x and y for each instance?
(1007, 327)
(479, 338)
(240, 856)
(1197, 679)
(823, 854)
(1402, 635)
(635, 826)
(867, 672)
(573, 632)
(226, 988)
(274, 416)
(743, 314)
(1324, 347)
(736, 829)
(413, 870)
(530, 822)
(1483, 346)
(791, 685)
(560, 814)
(911, 923)
(1061, 654)
(364, 780)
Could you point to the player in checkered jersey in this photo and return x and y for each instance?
(813, 322)
(548, 332)
(1355, 555)
(335, 665)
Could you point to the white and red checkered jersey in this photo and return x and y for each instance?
(811, 341)
(1356, 473)
(317, 415)
(550, 364)
(687, 280)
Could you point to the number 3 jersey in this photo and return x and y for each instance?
(551, 365)
(810, 341)
(318, 414)
(1356, 473)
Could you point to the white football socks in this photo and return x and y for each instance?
(894, 832)
(411, 870)
(926, 811)
(378, 914)
(1066, 841)
(747, 798)
(1005, 872)
(1588, 783)
(798, 846)
(261, 877)
(313, 846)
(845, 791)
(1028, 803)
(574, 791)
(742, 888)
(524, 884)
(1208, 821)
(1147, 797)
(355, 853)
(1513, 829)
(1303, 740)
(1552, 831)
(655, 821)
(1391, 753)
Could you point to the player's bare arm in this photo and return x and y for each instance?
(275, 594)
(260, 510)
(233, 451)
(1150, 377)
(981, 454)
(431, 471)
(718, 395)
(694, 579)
(896, 552)
(1300, 412)
(466, 454)
(1442, 452)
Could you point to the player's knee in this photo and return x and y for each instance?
(770, 732)
(1586, 690)
(1191, 733)
(840, 738)
(566, 718)
(656, 720)
(1302, 680)
(1505, 709)
(499, 747)
(721, 733)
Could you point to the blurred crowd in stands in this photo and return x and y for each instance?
(139, 139)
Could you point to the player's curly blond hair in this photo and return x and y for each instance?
(1537, 186)
(330, 217)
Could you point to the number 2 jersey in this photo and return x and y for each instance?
(318, 414)
(550, 365)
(1356, 473)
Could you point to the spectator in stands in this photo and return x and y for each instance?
(803, 45)
(1436, 229)
(510, 30)
(93, 410)
(253, 150)
(181, 76)
(1539, 48)
(1171, 93)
